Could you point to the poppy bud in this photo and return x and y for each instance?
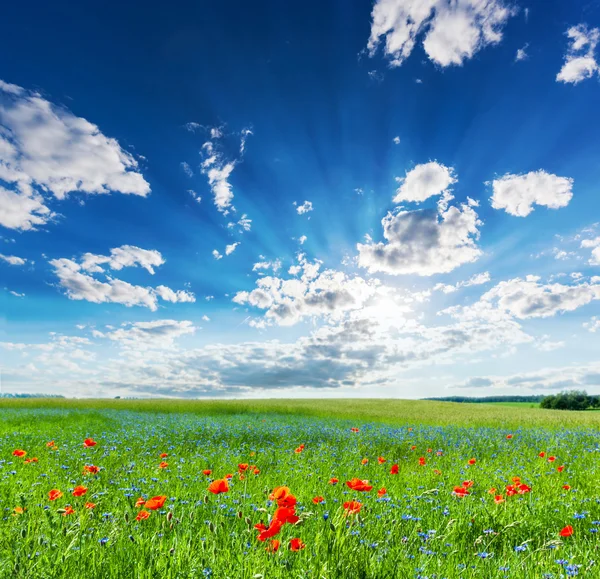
(211, 527)
(23, 533)
(248, 520)
(126, 517)
(332, 527)
(171, 550)
(206, 499)
(240, 514)
(169, 515)
(171, 527)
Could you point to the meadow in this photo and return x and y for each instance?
(305, 489)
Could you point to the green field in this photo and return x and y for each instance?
(423, 526)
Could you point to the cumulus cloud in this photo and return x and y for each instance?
(517, 194)
(594, 245)
(218, 167)
(244, 224)
(312, 293)
(304, 207)
(580, 60)
(229, 249)
(453, 30)
(593, 325)
(13, 259)
(423, 242)
(274, 265)
(124, 256)
(216, 254)
(528, 298)
(150, 335)
(76, 280)
(424, 181)
(477, 279)
(47, 150)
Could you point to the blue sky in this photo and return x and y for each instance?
(328, 199)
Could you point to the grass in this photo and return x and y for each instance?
(418, 528)
(390, 411)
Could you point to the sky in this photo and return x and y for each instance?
(379, 198)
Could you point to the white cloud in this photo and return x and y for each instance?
(477, 279)
(16, 294)
(302, 239)
(216, 254)
(517, 194)
(423, 242)
(244, 224)
(45, 149)
(454, 29)
(593, 325)
(274, 265)
(314, 294)
(594, 244)
(424, 181)
(229, 249)
(396, 140)
(187, 169)
(124, 256)
(79, 285)
(13, 259)
(150, 335)
(580, 60)
(197, 198)
(522, 53)
(304, 208)
(527, 298)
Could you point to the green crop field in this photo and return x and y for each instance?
(178, 489)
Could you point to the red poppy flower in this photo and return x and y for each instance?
(566, 531)
(155, 503)
(243, 467)
(413, 447)
(509, 436)
(381, 460)
(18, 511)
(256, 470)
(286, 515)
(467, 484)
(542, 454)
(551, 458)
(296, 544)
(429, 450)
(567, 487)
(68, 511)
(267, 532)
(560, 468)
(140, 502)
(523, 488)
(206, 472)
(333, 481)
(437, 471)
(422, 461)
(19, 453)
(299, 449)
(142, 515)
(32, 459)
(354, 429)
(88, 442)
(54, 494)
(382, 491)
(394, 469)
(273, 546)
(359, 485)
(218, 486)
(511, 490)
(163, 464)
(460, 491)
(364, 461)
(91, 469)
(472, 461)
(318, 500)
(498, 499)
(352, 507)
(283, 497)
(49, 444)
(79, 491)
(228, 476)
(89, 505)
(163, 455)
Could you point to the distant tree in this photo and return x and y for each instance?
(570, 400)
